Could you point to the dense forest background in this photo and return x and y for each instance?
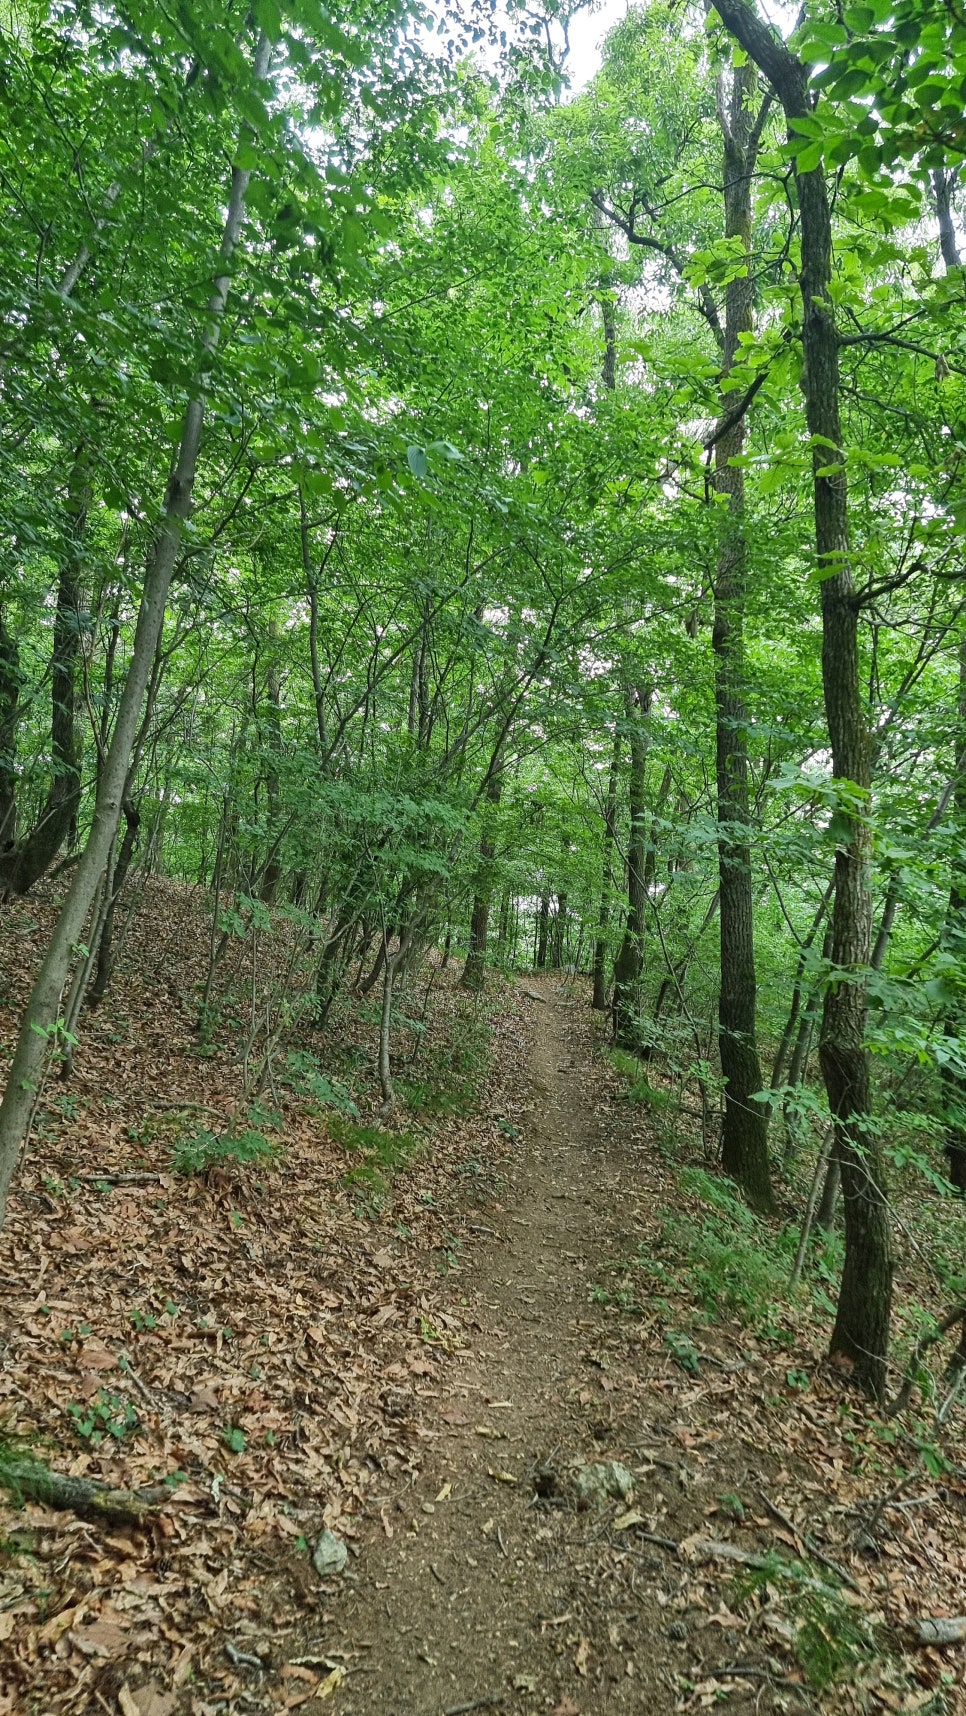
(449, 516)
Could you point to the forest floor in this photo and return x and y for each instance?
(423, 1355)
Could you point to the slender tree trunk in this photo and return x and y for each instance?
(543, 926)
(559, 936)
(788, 1034)
(32, 855)
(744, 1141)
(954, 942)
(627, 966)
(10, 687)
(607, 860)
(272, 870)
(105, 950)
(954, 928)
(861, 1332)
(40, 1015)
(474, 971)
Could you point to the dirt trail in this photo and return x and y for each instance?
(487, 1595)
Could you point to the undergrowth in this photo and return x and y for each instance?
(447, 1081)
(833, 1638)
(717, 1252)
(383, 1155)
(204, 1150)
(638, 1088)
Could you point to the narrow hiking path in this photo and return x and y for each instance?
(487, 1586)
(422, 1374)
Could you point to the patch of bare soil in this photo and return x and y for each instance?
(486, 1584)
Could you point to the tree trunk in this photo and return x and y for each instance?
(559, 936)
(40, 1015)
(31, 856)
(784, 1046)
(272, 869)
(954, 942)
(543, 925)
(861, 1332)
(474, 971)
(105, 951)
(953, 1083)
(627, 966)
(599, 1002)
(744, 1141)
(10, 687)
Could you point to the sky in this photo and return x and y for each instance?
(587, 32)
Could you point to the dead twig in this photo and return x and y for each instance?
(241, 1658)
(737, 1671)
(487, 1703)
(808, 1543)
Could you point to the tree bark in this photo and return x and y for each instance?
(953, 1083)
(607, 860)
(954, 942)
(30, 857)
(744, 1141)
(27, 1479)
(474, 971)
(861, 1332)
(543, 925)
(627, 966)
(10, 687)
(272, 869)
(40, 1015)
(105, 950)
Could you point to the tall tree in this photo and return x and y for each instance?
(861, 1332)
(745, 1131)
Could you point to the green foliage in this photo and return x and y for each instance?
(303, 1074)
(718, 1254)
(384, 1154)
(204, 1150)
(107, 1415)
(639, 1089)
(683, 1351)
(833, 1637)
(449, 1077)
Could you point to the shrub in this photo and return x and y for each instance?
(205, 1150)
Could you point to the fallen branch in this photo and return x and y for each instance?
(138, 1179)
(717, 1549)
(30, 1481)
(735, 1670)
(809, 1543)
(941, 1632)
(487, 1703)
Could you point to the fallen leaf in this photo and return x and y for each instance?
(524, 1683)
(445, 1493)
(54, 1629)
(101, 1638)
(580, 1658)
(624, 1521)
(331, 1683)
(96, 1357)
